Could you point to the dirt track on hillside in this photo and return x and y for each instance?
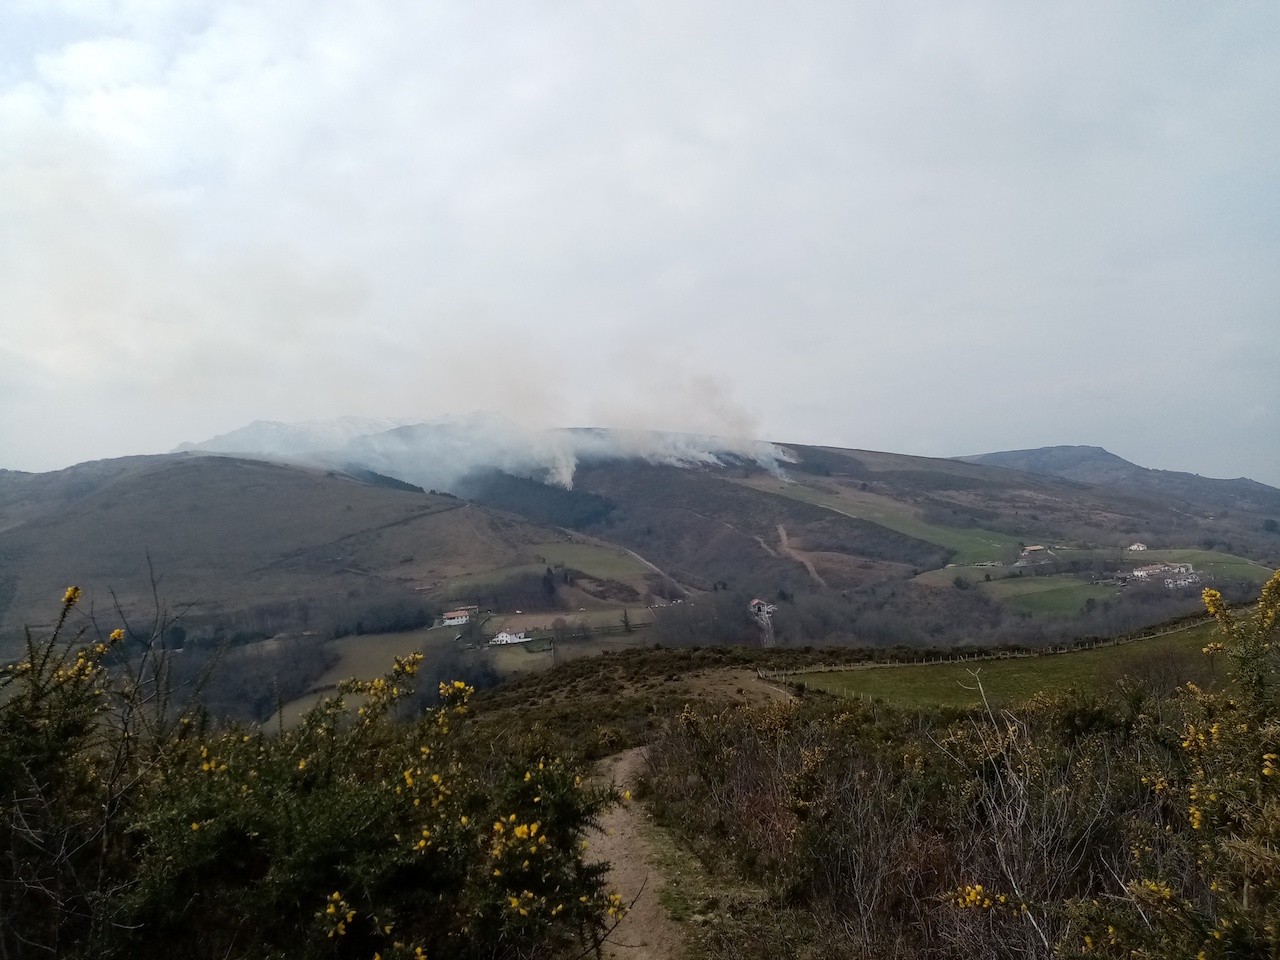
(799, 557)
(647, 932)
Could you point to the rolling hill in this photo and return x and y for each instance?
(353, 531)
(1094, 465)
(254, 545)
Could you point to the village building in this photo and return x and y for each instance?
(504, 638)
(459, 617)
(1158, 569)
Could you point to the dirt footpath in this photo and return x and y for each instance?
(647, 932)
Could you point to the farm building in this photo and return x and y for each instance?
(1155, 569)
(456, 618)
(759, 607)
(504, 638)
(1137, 546)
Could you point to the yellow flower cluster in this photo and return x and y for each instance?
(336, 915)
(1216, 606)
(1198, 738)
(974, 896)
(616, 908)
(515, 839)
(1154, 889)
(407, 666)
(210, 764)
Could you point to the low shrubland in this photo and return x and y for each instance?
(130, 826)
(1142, 826)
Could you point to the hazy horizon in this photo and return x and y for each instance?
(500, 442)
(932, 230)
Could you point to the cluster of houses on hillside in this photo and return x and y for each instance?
(1033, 553)
(1174, 575)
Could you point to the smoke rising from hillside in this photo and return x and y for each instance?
(439, 455)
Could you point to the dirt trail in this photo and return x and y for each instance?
(798, 556)
(647, 932)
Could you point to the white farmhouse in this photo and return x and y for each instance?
(1137, 546)
(504, 638)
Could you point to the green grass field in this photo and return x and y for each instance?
(638, 614)
(971, 545)
(602, 562)
(1052, 595)
(1012, 681)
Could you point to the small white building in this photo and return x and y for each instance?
(456, 618)
(504, 638)
(1137, 546)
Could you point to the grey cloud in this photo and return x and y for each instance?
(925, 228)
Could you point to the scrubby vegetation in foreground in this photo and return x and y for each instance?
(131, 828)
(1142, 827)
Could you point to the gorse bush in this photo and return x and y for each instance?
(132, 828)
(1137, 827)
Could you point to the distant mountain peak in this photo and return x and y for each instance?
(1095, 465)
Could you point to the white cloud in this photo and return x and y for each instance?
(849, 219)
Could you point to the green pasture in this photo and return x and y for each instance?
(1224, 566)
(603, 562)
(1051, 595)
(1064, 601)
(1011, 681)
(607, 563)
(971, 544)
(373, 655)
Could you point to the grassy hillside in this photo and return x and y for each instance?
(256, 548)
(259, 546)
(702, 526)
(1173, 658)
(966, 545)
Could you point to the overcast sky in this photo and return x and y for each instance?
(941, 228)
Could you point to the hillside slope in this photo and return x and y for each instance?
(258, 544)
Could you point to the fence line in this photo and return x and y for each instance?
(925, 659)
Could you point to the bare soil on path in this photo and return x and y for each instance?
(647, 931)
(785, 545)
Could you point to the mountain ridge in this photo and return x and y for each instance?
(1096, 465)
